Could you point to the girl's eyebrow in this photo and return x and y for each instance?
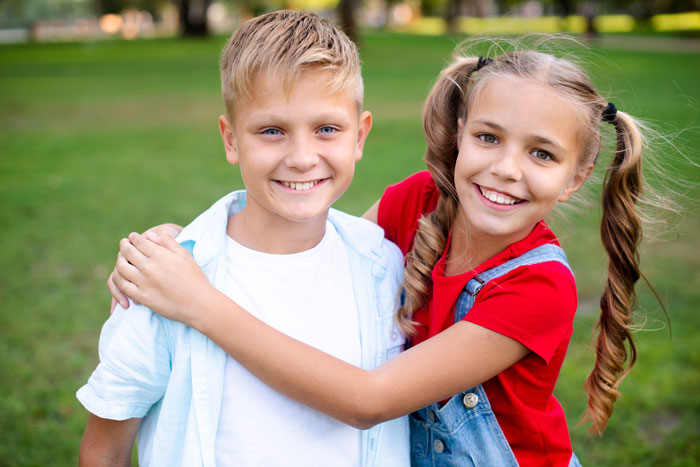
(488, 123)
(536, 138)
(543, 140)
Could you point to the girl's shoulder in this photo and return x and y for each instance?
(403, 203)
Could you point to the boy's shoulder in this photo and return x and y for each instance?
(367, 240)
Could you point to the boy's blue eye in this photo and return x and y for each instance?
(326, 130)
(271, 131)
(542, 155)
(487, 138)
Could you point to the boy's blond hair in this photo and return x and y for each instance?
(283, 44)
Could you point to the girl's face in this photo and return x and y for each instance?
(519, 152)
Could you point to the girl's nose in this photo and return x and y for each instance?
(302, 155)
(507, 166)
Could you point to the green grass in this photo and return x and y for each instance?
(100, 139)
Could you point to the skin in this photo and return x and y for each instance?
(108, 443)
(519, 145)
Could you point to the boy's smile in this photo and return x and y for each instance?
(518, 157)
(297, 154)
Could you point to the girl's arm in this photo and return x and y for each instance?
(164, 277)
(372, 213)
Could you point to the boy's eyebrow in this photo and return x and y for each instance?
(321, 117)
(537, 138)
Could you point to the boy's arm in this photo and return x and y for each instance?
(108, 442)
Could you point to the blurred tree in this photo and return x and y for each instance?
(192, 13)
(346, 11)
(193, 17)
(456, 8)
(24, 13)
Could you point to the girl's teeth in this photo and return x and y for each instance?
(497, 198)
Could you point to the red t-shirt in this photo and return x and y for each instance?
(534, 305)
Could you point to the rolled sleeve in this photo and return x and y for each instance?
(134, 367)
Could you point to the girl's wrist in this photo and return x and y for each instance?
(204, 315)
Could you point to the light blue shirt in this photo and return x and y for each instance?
(173, 377)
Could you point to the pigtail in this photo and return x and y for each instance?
(444, 106)
(621, 233)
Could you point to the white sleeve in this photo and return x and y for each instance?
(134, 366)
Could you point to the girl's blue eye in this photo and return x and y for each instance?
(487, 138)
(542, 155)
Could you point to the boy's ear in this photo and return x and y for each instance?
(363, 128)
(576, 182)
(229, 139)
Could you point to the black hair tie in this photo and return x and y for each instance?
(609, 113)
(483, 61)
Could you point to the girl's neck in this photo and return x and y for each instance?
(468, 250)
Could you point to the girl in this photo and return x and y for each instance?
(489, 296)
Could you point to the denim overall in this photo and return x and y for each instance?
(464, 432)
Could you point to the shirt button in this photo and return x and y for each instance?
(439, 446)
(431, 416)
(470, 400)
(394, 335)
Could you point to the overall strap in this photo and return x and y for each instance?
(541, 254)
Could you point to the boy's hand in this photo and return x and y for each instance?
(118, 296)
(156, 271)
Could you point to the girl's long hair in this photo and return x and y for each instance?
(621, 228)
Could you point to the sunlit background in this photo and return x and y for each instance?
(108, 124)
(53, 20)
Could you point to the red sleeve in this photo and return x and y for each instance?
(534, 305)
(402, 205)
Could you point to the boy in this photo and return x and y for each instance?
(293, 92)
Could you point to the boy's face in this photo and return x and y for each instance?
(296, 151)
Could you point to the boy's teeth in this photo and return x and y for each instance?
(497, 198)
(299, 186)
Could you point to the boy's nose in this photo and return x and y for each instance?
(302, 154)
(507, 166)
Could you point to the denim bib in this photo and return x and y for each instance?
(464, 432)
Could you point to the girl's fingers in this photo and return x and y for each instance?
(117, 295)
(145, 246)
(171, 230)
(168, 242)
(124, 273)
(132, 254)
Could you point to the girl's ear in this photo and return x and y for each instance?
(229, 139)
(576, 182)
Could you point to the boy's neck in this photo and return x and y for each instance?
(275, 236)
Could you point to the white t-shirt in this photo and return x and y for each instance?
(308, 296)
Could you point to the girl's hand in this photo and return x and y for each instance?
(118, 295)
(157, 272)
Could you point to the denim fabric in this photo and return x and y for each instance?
(464, 432)
(172, 376)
